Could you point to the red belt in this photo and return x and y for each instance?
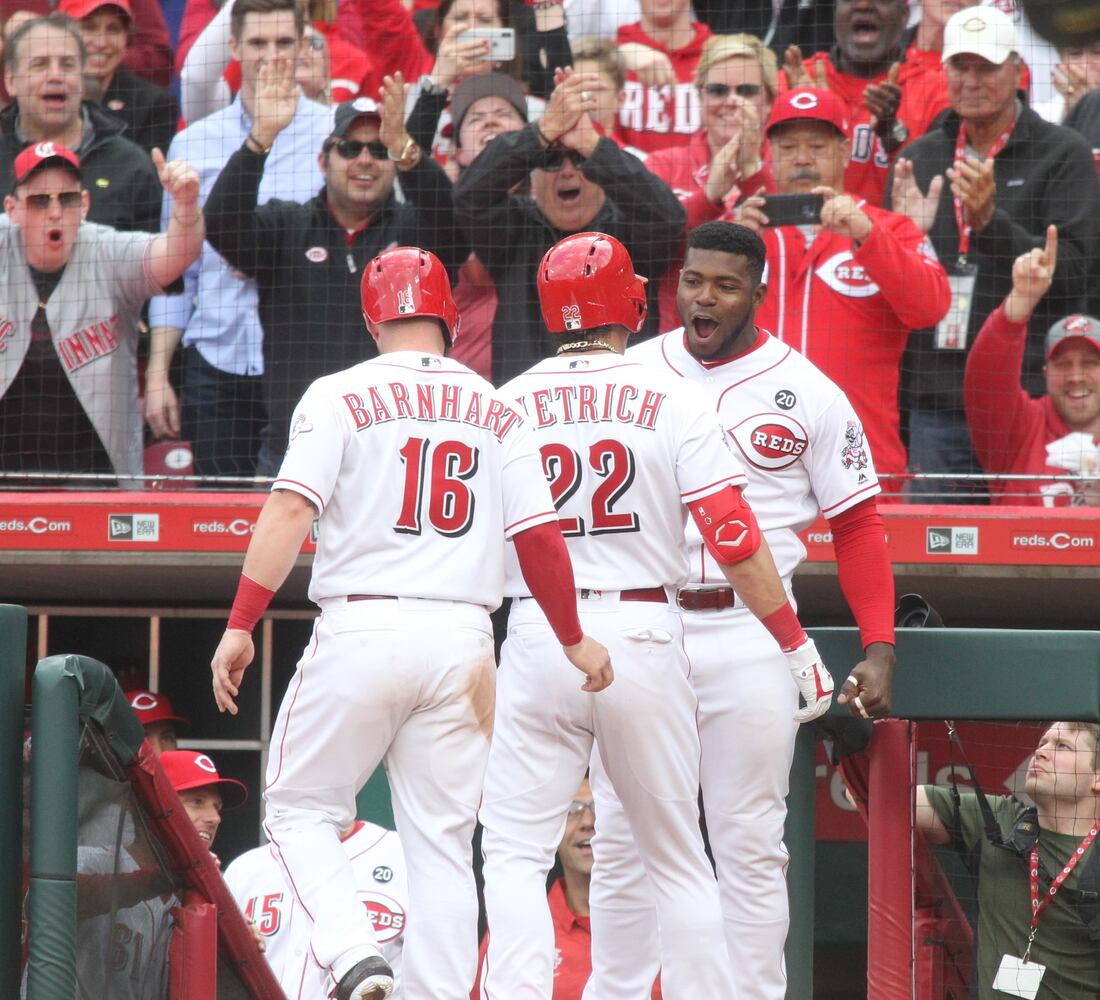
(370, 597)
(707, 600)
(655, 594)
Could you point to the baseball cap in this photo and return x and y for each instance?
(809, 104)
(346, 114)
(981, 31)
(1076, 327)
(187, 769)
(480, 85)
(44, 154)
(77, 9)
(151, 707)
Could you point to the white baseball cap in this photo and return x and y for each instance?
(981, 31)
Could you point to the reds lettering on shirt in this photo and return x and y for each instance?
(93, 341)
(592, 404)
(663, 111)
(432, 402)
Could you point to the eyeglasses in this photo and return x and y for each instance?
(41, 202)
(720, 91)
(349, 149)
(555, 159)
(576, 808)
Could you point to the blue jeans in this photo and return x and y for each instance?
(939, 442)
(221, 414)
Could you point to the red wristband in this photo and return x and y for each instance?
(249, 605)
(785, 628)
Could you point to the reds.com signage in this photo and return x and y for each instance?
(224, 522)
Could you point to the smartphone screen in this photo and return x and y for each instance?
(502, 41)
(793, 209)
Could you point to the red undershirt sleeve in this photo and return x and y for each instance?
(864, 571)
(544, 562)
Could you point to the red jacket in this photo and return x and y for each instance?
(1009, 429)
(850, 309)
(653, 118)
(923, 96)
(684, 168)
(572, 947)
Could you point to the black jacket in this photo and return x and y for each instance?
(308, 269)
(1043, 175)
(510, 234)
(150, 113)
(118, 175)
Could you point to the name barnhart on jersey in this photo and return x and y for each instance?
(592, 404)
(433, 401)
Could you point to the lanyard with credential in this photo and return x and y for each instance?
(1039, 904)
(960, 151)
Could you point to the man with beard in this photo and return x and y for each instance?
(579, 180)
(794, 431)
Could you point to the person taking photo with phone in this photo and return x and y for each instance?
(847, 285)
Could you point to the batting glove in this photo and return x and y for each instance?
(815, 683)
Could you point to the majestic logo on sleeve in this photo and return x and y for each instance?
(854, 455)
(770, 440)
(845, 277)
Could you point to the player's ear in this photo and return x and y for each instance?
(759, 293)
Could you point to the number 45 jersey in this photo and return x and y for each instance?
(420, 470)
(624, 447)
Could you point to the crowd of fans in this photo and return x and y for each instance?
(932, 143)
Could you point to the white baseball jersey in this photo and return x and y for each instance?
(621, 511)
(123, 956)
(258, 886)
(418, 467)
(801, 444)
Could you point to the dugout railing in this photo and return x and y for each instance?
(91, 772)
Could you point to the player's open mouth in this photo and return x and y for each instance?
(55, 99)
(53, 237)
(585, 845)
(865, 31)
(205, 837)
(569, 194)
(703, 326)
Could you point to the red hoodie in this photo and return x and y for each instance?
(652, 118)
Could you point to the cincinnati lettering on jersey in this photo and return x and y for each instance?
(91, 342)
(593, 404)
(433, 402)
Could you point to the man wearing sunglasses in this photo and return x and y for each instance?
(578, 180)
(307, 258)
(73, 292)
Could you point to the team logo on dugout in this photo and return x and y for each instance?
(770, 440)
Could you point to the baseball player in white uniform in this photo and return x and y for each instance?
(627, 450)
(803, 451)
(418, 470)
(381, 881)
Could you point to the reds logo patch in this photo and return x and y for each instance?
(845, 277)
(854, 455)
(770, 440)
(1077, 324)
(387, 915)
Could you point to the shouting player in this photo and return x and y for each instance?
(626, 449)
(417, 470)
(803, 451)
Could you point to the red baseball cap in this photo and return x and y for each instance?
(1075, 327)
(152, 707)
(187, 769)
(77, 9)
(44, 154)
(809, 104)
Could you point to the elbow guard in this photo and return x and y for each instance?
(728, 525)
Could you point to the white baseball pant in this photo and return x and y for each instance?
(409, 682)
(645, 725)
(747, 701)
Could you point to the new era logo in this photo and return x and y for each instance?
(133, 527)
(952, 541)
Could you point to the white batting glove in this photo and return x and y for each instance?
(815, 683)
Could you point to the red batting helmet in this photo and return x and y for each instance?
(406, 281)
(588, 280)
